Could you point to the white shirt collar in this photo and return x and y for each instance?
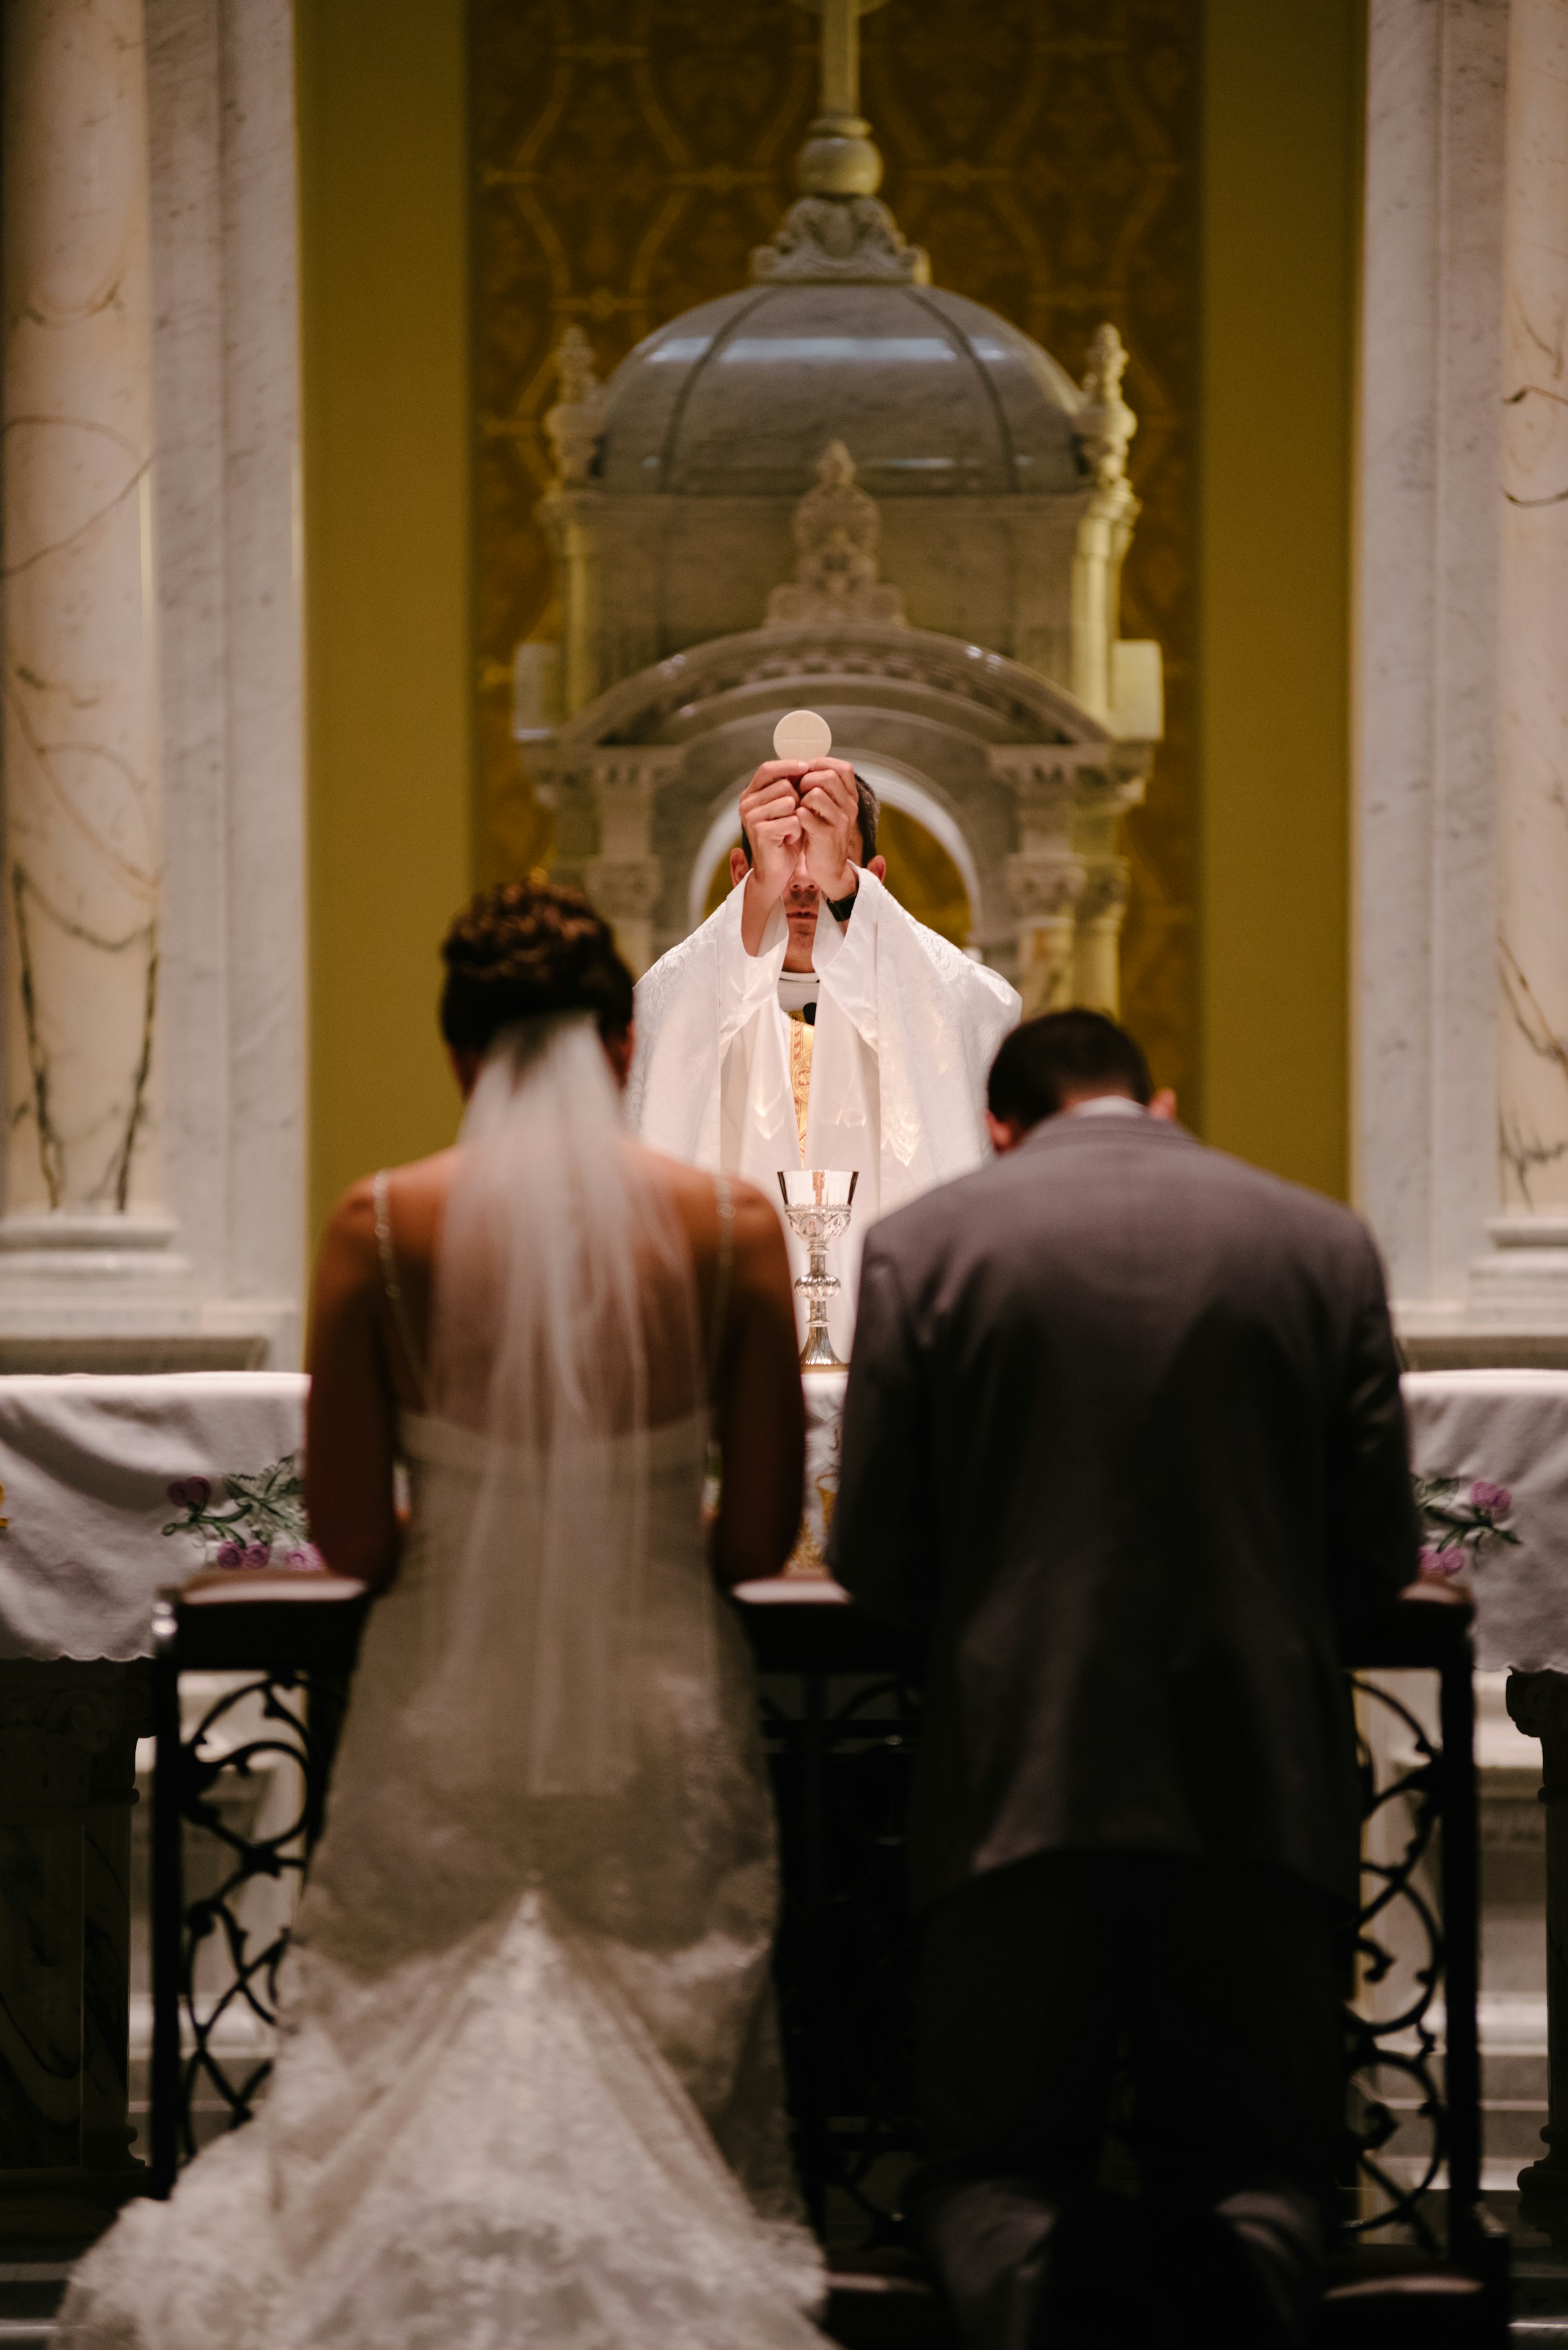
(1107, 1105)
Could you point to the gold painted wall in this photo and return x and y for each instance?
(630, 152)
(384, 316)
(1187, 170)
(1283, 137)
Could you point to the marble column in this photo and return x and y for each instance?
(1532, 943)
(83, 846)
(1101, 796)
(1045, 875)
(1427, 549)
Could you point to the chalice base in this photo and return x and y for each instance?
(817, 1354)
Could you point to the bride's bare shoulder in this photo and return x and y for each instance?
(416, 1193)
(691, 1191)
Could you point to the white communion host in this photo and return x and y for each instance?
(811, 1021)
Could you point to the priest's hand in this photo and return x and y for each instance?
(770, 817)
(830, 819)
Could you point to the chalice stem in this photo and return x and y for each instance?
(817, 1354)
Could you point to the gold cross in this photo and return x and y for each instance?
(841, 51)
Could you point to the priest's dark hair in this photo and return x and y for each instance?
(525, 948)
(870, 818)
(1062, 1054)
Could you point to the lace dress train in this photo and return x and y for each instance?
(527, 2088)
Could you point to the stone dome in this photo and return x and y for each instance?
(931, 393)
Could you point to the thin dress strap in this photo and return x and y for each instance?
(391, 1284)
(724, 1201)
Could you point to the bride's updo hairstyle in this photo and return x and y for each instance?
(525, 948)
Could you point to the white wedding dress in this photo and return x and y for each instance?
(527, 2088)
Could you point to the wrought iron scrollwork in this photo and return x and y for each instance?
(842, 1750)
(1396, 2025)
(841, 1720)
(276, 1725)
(206, 1763)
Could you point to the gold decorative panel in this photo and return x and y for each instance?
(629, 153)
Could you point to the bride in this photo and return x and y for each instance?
(527, 2088)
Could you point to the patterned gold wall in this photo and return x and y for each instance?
(630, 152)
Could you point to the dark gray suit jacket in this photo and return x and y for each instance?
(1123, 1443)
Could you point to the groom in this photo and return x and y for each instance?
(1123, 1442)
(811, 1021)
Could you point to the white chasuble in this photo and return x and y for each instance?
(906, 1031)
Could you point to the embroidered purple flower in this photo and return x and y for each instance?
(304, 1559)
(1443, 1563)
(1496, 1500)
(230, 1554)
(258, 1553)
(191, 1492)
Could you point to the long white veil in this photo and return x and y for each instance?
(564, 1328)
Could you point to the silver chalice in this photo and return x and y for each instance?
(818, 1201)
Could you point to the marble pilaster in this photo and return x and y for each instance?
(1533, 943)
(1432, 675)
(226, 374)
(83, 786)
(1046, 876)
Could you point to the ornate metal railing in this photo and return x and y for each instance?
(841, 1713)
(278, 1715)
(1413, 2051)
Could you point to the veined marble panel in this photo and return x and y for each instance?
(1532, 1108)
(1427, 585)
(83, 830)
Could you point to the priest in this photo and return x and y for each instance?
(811, 1021)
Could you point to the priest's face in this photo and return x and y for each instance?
(801, 899)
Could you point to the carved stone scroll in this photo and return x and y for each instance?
(836, 530)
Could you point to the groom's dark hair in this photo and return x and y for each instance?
(523, 949)
(870, 818)
(1062, 1053)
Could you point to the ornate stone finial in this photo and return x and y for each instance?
(1106, 423)
(836, 527)
(838, 232)
(575, 423)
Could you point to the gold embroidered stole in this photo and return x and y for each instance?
(800, 1037)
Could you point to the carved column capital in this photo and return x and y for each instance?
(1046, 767)
(1043, 886)
(625, 888)
(1104, 897)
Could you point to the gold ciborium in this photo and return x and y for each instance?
(818, 1201)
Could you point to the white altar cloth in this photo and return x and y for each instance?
(1512, 1428)
(92, 1531)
